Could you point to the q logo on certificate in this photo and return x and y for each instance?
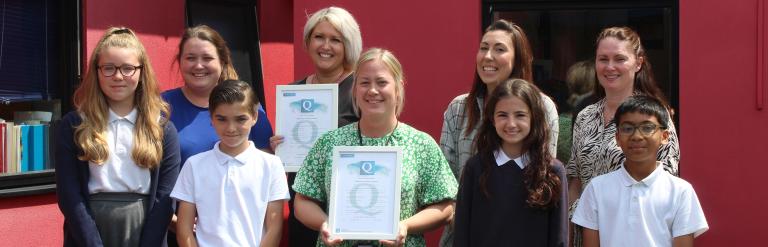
(365, 192)
(304, 113)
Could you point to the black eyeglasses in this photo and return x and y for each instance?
(125, 69)
(646, 129)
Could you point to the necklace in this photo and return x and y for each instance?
(313, 79)
(389, 139)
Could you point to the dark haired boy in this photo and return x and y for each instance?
(640, 204)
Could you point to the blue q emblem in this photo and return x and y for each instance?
(307, 105)
(366, 168)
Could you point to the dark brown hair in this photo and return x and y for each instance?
(539, 177)
(522, 68)
(233, 92)
(207, 33)
(644, 80)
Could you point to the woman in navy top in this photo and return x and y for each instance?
(204, 61)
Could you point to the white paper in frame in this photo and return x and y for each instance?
(364, 199)
(302, 119)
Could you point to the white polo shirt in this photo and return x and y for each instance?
(231, 194)
(119, 173)
(644, 213)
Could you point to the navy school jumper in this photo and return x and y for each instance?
(72, 188)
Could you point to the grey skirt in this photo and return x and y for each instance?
(119, 217)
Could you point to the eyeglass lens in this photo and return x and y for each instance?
(125, 70)
(645, 129)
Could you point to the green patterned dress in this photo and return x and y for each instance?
(426, 177)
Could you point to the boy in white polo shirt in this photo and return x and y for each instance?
(235, 190)
(640, 204)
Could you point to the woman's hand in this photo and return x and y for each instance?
(275, 141)
(402, 233)
(325, 235)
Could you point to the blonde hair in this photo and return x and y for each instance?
(395, 68)
(91, 104)
(343, 22)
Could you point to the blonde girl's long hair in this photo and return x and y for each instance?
(91, 104)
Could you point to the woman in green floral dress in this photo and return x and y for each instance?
(428, 185)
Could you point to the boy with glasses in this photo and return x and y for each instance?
(640, 204)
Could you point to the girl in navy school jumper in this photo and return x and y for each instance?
(511, 191)
(121, 85)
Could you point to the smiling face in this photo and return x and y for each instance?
(326, 47)
(512, 120)
(616, 65)
(119, 89)
(495, 57)
(637, 147)
(200, 64)
(375, 90)
(233, 123)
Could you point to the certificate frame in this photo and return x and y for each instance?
(288, 118)
(385, 161)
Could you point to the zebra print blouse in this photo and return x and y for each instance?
(595, 152)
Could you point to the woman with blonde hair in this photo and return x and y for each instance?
(333, 42)
(118, 155)
(428, 186)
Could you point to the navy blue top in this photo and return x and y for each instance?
(72, 177)
(505, 219)
(196, 133)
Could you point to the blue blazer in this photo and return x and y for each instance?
(72, 188)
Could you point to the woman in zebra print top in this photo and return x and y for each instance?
(623, 69)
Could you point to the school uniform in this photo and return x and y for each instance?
(231, 194)
(650, 212)
(505, 219)
(196, 133)
(79, 184)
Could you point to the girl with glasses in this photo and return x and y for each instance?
(117, 156)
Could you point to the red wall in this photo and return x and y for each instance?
(159, 25)
(277, 49)
(722, 134)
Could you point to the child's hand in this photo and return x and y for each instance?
(401, 235)
(326, 236)
(275, 141)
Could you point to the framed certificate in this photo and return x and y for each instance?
(365, 192)
(303, 114)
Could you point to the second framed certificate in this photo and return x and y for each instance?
(303, 114)
(365, 192)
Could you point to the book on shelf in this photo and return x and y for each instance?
(16, 143)
(25, 148)
(47, 155)
(10, 147)
(37, 151)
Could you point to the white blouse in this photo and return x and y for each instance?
(119, 173)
